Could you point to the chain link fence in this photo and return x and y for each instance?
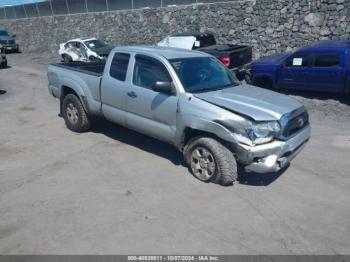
(62, 7)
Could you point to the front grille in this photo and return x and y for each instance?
(295, 124)
(7, 42)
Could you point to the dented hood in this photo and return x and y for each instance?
(257, 103)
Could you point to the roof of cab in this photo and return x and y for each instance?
(329, 44)
(82, 39)
(167, 52)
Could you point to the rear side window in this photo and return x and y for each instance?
(119, 66)
(299, 60)
(148, 70)
(327, 60)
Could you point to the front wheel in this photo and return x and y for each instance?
(74, 114)
(211, 161)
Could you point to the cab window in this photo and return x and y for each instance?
(148, 70)
(299, 60)
(327, 60)
(119, 66)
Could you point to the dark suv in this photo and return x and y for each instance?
(8, 42)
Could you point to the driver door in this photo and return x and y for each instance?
(150, 112)
(295, 73)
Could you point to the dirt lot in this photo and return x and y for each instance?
(113, 191)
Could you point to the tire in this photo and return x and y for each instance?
(348, 98)
(224, 171)
(93, 59)
(4, 64)
(66, 58)
(74, 114)
(248, 77)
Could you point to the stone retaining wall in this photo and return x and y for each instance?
(269, 25)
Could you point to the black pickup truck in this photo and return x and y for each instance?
(235, 57)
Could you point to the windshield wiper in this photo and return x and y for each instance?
(211, 89)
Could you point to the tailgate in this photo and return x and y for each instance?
(241, 56)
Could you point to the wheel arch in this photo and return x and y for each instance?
(68, 89)
(205, 128)
(263, 78)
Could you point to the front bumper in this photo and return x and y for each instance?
(13, 47)
(274, 156)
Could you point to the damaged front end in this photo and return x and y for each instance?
(273, 156)
(270, 146)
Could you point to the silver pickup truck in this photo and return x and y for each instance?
(190, 100)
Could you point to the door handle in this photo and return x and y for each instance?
(132, 94)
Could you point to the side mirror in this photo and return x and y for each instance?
(163, 87)
(13, 36)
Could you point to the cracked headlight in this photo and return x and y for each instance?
(259, 133)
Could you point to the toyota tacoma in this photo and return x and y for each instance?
(190, 100)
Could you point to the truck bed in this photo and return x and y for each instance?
(239, 54)
(91, 68)
(87, 75)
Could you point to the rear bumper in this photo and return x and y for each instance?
(274, 156)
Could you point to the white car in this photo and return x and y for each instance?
(84, 50)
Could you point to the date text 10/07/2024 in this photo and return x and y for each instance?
(173, 258)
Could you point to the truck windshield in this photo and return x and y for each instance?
(94, 44)
(203, 74)
(4, 33)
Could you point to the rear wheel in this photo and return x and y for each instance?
(93, 59)
(74, 114)
(211, 161)
(66, 59)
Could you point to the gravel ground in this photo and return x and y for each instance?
(114, 191)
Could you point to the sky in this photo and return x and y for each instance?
(16, 2)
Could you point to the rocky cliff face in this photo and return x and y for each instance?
(269, 25)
